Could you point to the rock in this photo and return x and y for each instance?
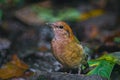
(4, 44)
(63, 76)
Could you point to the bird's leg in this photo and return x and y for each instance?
(79, 69)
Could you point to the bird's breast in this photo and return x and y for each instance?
(58, 46)
(67, 53)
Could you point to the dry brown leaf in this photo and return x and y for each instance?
(14, 68)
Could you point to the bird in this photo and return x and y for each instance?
(66, 47)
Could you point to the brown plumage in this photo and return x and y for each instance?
(66, 48)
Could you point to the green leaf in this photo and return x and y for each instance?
(47, 14)
(112, 57)
(44, 14)
(104, 65)
(116, 56)
(103, 69)
(68, 14)
(117, 39)
(2, 1)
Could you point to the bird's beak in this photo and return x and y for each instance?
(51, 24)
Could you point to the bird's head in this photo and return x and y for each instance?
(61, 30)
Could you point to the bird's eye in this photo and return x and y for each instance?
(61, 27)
